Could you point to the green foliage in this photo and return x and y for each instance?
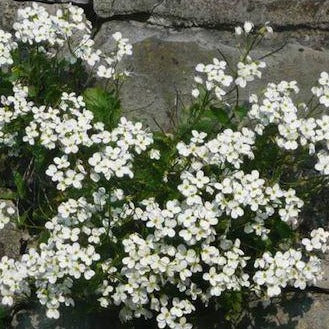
(46, 80)
(20, 185)
(3, 318)
(234, 306)
(241, 112)
(105, 105)
(38, 199)
(221, 115)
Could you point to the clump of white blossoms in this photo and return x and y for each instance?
(245, 71)
(6, 46)
(68, 32)
(288, 268)
(6, 211)
(155, 223)
(216, 78)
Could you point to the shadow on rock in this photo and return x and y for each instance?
(295, 310)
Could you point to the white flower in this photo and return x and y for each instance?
(195, 93)
(117, 36)
(238, 30)
(248, 26)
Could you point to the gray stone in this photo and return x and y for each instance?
(214, 13)
(10, 241)
(11, 238)
(164, 60)
(298, 310)
(8, 9)
(118, 7)
(317, 317)
(75, 2)
(324, 282)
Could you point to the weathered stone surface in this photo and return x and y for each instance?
(324, 282)
(115, 7)
(8, 10)
(71, 318)
(160, 65)
(317, 317)
(298, 310)
(11, 238)
(75, 2)
(164, 60)
(10, 241)
(223, 12)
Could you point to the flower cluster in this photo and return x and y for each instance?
(229, 147)
(216, 78)
(154, 223)
(57, 262)
(249, 27)
(6, 47)
(116, 157)
(67, 32)
(286, 268)
(318, 240)
(245, 71)
(123, 48)
(69, 128)
(322, 91)
(248, 70)
(170, 255)
(6, 212)
(278, 108)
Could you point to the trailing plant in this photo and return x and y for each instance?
(158, 224)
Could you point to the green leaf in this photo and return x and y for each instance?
(6, 194)
(3, 317)
(221, 115)
(282, 229)
(104, 105)
(5, 85)
(14, 76)
(204, 124)
(241, 111)
(43, 236)
(20, 185)
(21, 219)
(2, 313)
(32, 91)
(233, 304)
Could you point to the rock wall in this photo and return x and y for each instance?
(218, 13)
(170, 37)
